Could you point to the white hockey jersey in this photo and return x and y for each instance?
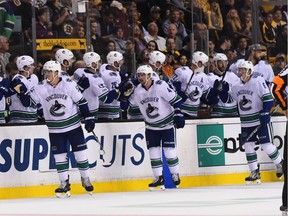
(96, 92)
(264, 70)
(221, 108)
(155, 104)
(250, 97)
(112, 110)
(59, 104)
(191, 83)
(19, 113)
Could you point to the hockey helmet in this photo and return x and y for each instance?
(200, 60)
(115, 59)
(220, 57)
(65, 57)
(144, 69)
(248, 68)
(157, 59)
(92, 60)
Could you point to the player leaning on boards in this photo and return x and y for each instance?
(60, 98)
(279, 91)
(254, 102)
(160, 106)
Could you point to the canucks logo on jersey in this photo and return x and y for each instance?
(57, 109)
(152, 112)
(245, 104)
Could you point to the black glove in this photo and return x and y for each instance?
(89, 123)
(179, 120)
(18, 87)
(126, 88)
(223, 93)
(83, 83)
(217, 86)
(3, 90)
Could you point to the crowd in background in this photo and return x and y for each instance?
(135, 28)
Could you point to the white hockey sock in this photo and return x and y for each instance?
(82, 163)
(172, 159)
(156, 162)
(272, 152)
(251, 155)
(62, 166)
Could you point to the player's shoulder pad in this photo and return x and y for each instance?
(159, 82)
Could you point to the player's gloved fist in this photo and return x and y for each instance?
(217, 85)
(83, 83)
(264, 117)
(126, 88)
(89, 123)
(3, 90)
(179, 120)
(18, 87)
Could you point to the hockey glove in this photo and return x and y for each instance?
(179, 120)
(126, 88)
(223, 93)
(264, 117)
(18, 87)
(83, 83)
(177, 85)
(3, 90)
(89, 123)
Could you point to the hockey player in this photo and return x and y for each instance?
(112, 79)
(66, 58)
(156, 60)
(61, 99)
(32, 77)
(3, 92)
(160, 106)
(21, 111)
(192, 84)
(97, 90)
(222, 81)
(254, 103)
(279, 91)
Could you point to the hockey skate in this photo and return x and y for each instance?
(279, 170)
(87, 185)
(284, 210)
(63, 190)
(157, 181)
(253, 177)
(176, 179)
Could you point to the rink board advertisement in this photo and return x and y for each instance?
(205, 147)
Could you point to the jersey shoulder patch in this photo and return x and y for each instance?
(159, 82)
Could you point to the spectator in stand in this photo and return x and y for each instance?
(7, 20)
(281, 41)
(231, 55)
(247, 24)
(152, 46)
(79, 32)
(154, 16)
(247, 6)
(200, 34)
(135, 20)
(225, 44)
(107, 24)
(168, 67)
(109, 46)
(171, 50)
(153, 35)
(97, 42)
(143, 57)
(211, 47)
(214, 17)
(226, 6)
(277, 22)
(187, 45)
(4, 55)
(130, 56)
(42, 28)
(233, 24)
(120, 17)
(118, 38)
(96, 9)
(280, 62)
(183, 60)
(138, 36)
(267, 30)
(242, 46)
(174, 17)
(172, 33)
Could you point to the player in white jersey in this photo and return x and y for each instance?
(32, 77)
(97, 90)
(66, 58)
(192, 85)
(156, 60)
(3, 92)
(254, 103)
(160, 106)
(61, 98)
(112, 80)
(20, 109)
(222, 80)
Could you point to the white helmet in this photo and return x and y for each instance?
(113, 57)
(27, 58)
(144, 69)
(64, 55)
(157, 56)
(199, 57)
(52, 66)
(248, 65)
(91, 57)
(21, 64)
(220, 57)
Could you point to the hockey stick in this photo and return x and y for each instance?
(101, 151)
(185, 91)
(258, 127)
